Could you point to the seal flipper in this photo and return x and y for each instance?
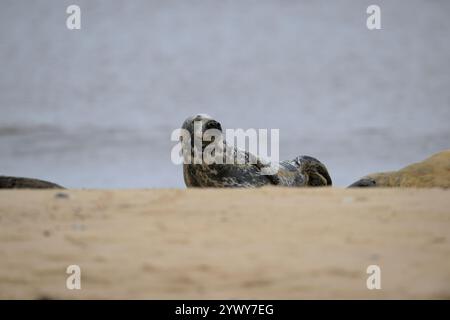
(315, 170)
(316, 180)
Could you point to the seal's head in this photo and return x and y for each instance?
(199, 124)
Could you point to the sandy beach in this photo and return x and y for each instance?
(360, 101)
(212, 244)
(95, 113)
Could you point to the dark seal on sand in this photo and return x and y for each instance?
(302, 171)
(26, 183)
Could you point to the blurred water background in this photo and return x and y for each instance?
(95, 108)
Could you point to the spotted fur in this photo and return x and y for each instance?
(300, 172)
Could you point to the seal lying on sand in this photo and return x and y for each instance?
(26, 183)
(300, 172)
(432, 172)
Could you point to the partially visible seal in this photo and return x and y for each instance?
(433, 172)
(302, 171)
(26, 183)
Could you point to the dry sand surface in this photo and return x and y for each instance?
(265, 243)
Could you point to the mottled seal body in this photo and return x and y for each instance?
(223, 176)
(299, 172)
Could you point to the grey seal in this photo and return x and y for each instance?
(26, 183)
(302, 171)
(433, 172)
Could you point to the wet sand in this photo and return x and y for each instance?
(266, 243)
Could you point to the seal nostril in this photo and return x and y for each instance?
(213, 125)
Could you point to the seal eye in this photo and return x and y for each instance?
(212, 124)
